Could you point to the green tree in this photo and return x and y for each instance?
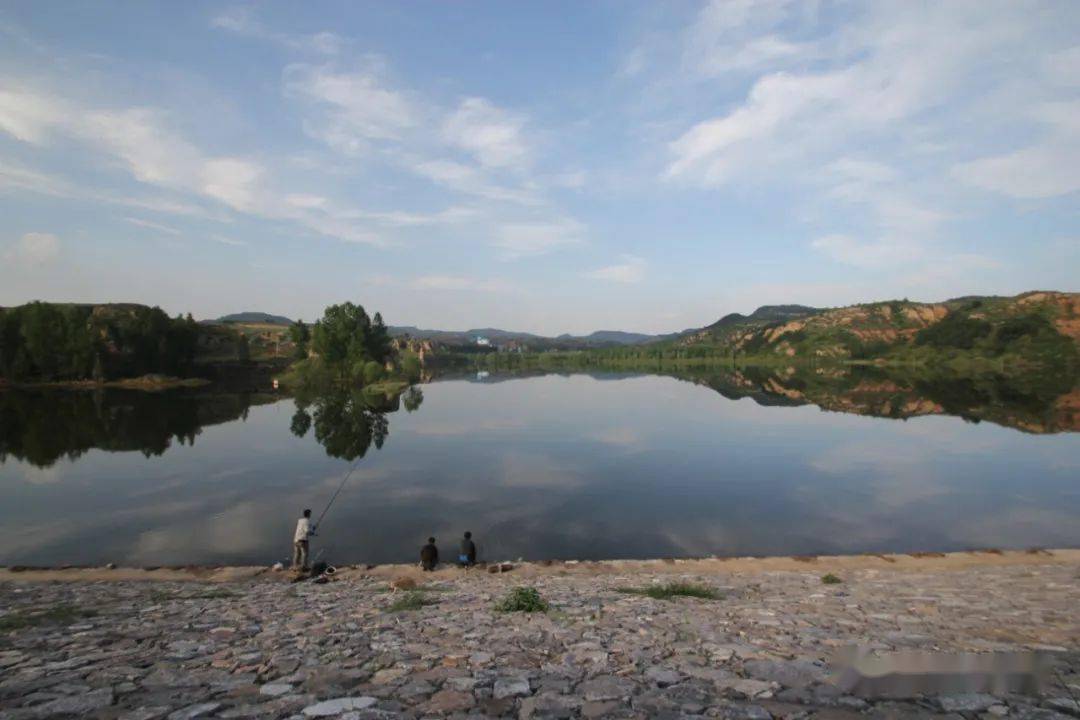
(300, 335)
(410, 366)
(373, 372)
(346, 339)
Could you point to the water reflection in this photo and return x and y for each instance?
(573, 465)
(345, 424)
(41, 427)
(1034, 402)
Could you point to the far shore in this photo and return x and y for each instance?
(146, 382)
(821, 564)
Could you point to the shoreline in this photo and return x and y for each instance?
(737, 639)
(820, 564)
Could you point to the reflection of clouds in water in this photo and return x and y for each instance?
(561, 467)
(621, 436)
(240, 530)
(41, 475)
(91, 533)
(451, 428)
(1015, 527)
(230, 473)
(520, 469)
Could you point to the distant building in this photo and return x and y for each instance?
(483, 341)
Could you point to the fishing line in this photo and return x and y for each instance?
(318, 523)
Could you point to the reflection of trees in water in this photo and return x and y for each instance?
(348, 422)
(1033, 401)
(40, 427)
(413, 399)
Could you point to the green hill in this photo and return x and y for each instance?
(1035, 328)
(254, 318)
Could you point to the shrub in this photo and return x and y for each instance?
(522, 599)
(410, 366)
(412, 600)
(955, 330)
(1017, 328)
(673, 590)
(373, 372)
(831, 579)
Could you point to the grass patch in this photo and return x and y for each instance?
(673, 590)
(56, 615)
(410, 601)
(831, 579)
(159, 596)
(522, 599)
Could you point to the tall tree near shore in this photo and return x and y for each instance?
(346, 339)
(300, 335)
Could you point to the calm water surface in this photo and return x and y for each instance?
(578, 466)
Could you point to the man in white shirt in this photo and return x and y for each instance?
(300, 541)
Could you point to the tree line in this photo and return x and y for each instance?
(45, 342)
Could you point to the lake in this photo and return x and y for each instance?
(601, 465)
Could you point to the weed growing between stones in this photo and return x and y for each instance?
(522, 599)
(674, 590)
(411, 600)
(209, 594)
(56, 615)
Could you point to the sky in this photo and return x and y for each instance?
(547, 167)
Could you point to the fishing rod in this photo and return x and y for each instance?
(337, 492)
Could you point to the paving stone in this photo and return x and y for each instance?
(337, 706)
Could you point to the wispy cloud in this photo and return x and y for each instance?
(521, 240)
(492, 134)
(242, 21)
(224, 240)
(349, 109)
(1048, 168)
(33, 249)
(630, 269)
(458, 283)
(152, 225)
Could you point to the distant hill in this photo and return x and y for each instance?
(254, 317)
(764, 314)
(598, 339)
(1034, 327)
(617, 337)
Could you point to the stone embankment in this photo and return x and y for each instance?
(239, 643)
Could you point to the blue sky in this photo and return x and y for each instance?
(551, 167)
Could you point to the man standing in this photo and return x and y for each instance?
(467, 556)
(300, 541)
(429, 555)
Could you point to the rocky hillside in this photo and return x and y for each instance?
(1037, 326)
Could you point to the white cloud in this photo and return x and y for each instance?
(350, 109)
(631, 269)
(1046, 169)
(874, 254)
(457, 283)
(490, 133)
(242, 22)
(907, 82)
(234, 182)
(139, 138)
(27, 116)
(520, 240)
(152, 225)
(34, 249)
(471, 181)
(228, 241)
(739, 35)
